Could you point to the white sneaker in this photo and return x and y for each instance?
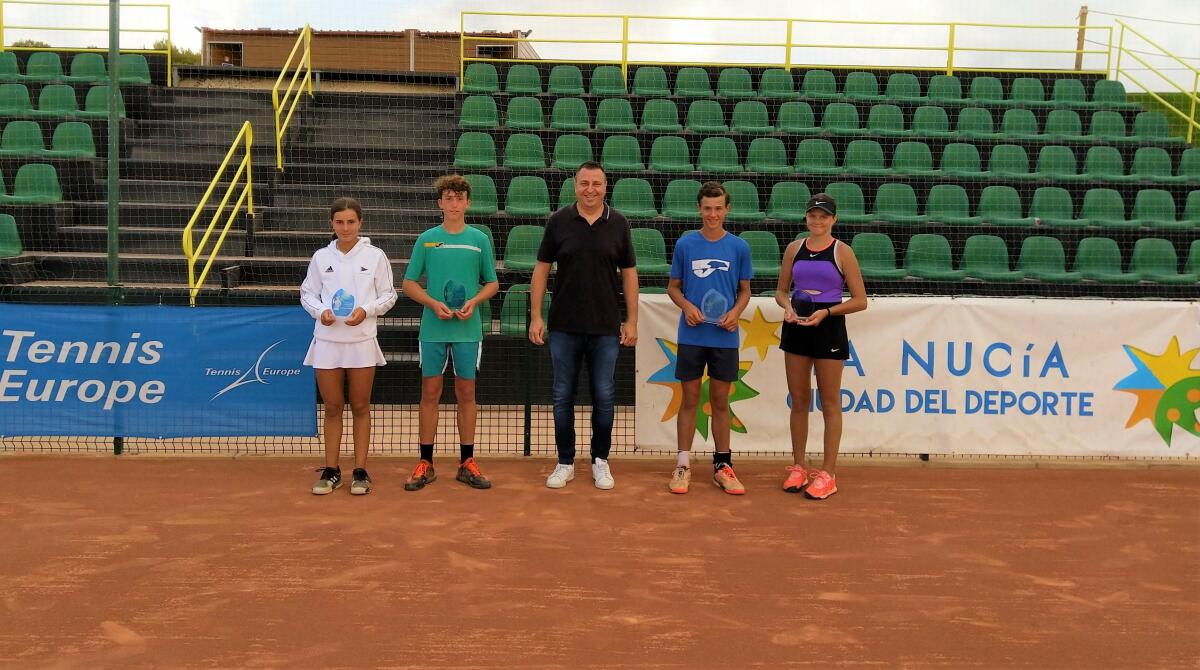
(561, 475)
(602, 475)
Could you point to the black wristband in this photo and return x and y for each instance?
(828, 312)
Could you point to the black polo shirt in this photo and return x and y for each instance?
(587, 284)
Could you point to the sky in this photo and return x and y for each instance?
(1183, 40)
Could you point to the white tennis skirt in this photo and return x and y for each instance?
(327, 355)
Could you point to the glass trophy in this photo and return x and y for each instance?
(454, 294)
(802, 304)
(343, 303)
(713, 306)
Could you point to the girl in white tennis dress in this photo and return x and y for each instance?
(349, 284)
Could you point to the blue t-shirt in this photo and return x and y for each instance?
(710, 272)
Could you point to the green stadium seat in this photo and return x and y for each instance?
(1110, 94)
(670, 153)
(480, 78)
(527, 196)
(1063, 124)
(948, 204)
(1009, 161)
(862, 86)
(897, 203)
(22, 139)
(945, 89)
(650, 81)
(1027, 91)
(1099, 259)
(1107, 126)
(514, 311)
(975, 123)
(44, 66)
(929, 121)
(1154, 259)
(1193, 259)
(652, 290)
(767, 155)
(751, 117)
(988, 91)
(88, 68)
(776, 83)
(650, 249)
(479, 111)
(523, 79)
(1153, 164)
(96, 104)
(615, 115)
(850, 202)
(486, 230)
(14, 99)
(571, 151)
(475, 150)
(986, 257)
(962, 161)
(1052, 206)
(569, 114)
(661, 116)
(1019, 124)
(35, 184)
(1104, 208)
(1043, 258)
(718, 154)
(134, 70)
(706, 116)
(1105, 164)
(787, 201)
(1189, 165)
(840, 118)
(818, 84)
(1001, 206)
(680, 200)
(1057, 163)
(10, 239)
(904, 87)
(565, 80)
(607, 80)
(865, 157)
(1155, 208)
(57, 100)
(483, 195)
(9, 69)
(1191, 210)
(1151, 126)
(524, 151)
(524, 113)
(913, 159)
(735, 82)
(634, 198)
(622, 153)
(765, 257)
(1068, 93)
(743, 201)
(886, 120)
(796, 118)
(815, 156)
(72, 139)
(876, 256)
(692, 82)
(928, 257)
(566, 193)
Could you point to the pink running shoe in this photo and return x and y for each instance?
(796, 480)
(823, 485)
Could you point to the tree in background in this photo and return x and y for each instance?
(178, 56)
(33, 44)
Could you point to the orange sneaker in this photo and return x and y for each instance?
(823, 485)
(681, 479)
(421, 476)
(796, 480)
(727, 481)
(469, 474)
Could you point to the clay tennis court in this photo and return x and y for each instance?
(203, 562)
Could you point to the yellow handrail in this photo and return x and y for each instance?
(193, 251)
(1189, 117)
(305, 64)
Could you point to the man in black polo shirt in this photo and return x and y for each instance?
(591, 243)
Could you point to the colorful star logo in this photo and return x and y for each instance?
(666, 377)
(1167, 389)
(760, 333)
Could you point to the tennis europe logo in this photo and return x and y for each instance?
(1167, 389)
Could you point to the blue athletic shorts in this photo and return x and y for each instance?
(436, 356)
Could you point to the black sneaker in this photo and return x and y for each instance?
(361, 484)
(331, 478)
(422, 476)
(469, 474)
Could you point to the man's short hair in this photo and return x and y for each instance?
(712, 189)
(592, 165)
(452, 182)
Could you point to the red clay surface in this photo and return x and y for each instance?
(197, 562)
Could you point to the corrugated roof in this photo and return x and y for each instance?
(352, 33)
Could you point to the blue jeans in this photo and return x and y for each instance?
(567, 352)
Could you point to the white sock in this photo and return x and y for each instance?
(684, 459)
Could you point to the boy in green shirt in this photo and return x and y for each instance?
(455, 259)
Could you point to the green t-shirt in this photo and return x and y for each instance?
(454, 266)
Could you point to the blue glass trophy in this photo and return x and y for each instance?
(454, 294)
(343, 303)
(802, 304)
(713, 306)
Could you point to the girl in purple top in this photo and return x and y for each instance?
(810, 285)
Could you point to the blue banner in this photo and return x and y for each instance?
(155, 371)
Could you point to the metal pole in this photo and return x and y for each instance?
(1079, 40)
(1192, 115)
(115, 292)
(950, 53)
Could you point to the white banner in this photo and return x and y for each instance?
(960, 376)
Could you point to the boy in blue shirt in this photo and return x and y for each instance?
(710, 282)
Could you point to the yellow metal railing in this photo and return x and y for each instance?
(5, 28)
(1189, 116)
(954, 42)
(294, 89)
(192, 251)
